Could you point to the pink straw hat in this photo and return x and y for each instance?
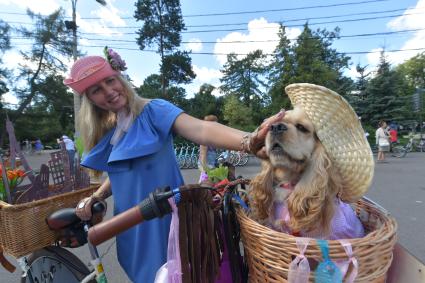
(87, 71)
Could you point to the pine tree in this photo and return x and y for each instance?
(385, 95)
(162, 25)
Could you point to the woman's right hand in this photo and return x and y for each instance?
(84, 208)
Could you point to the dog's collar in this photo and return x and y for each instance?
(288, 186)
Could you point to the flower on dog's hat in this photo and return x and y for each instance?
(339, 130)
(89, 70)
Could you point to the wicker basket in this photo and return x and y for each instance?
(269, 253)
(23, 227)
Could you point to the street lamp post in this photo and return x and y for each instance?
(73, 26)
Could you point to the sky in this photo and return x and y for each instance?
(215, 28)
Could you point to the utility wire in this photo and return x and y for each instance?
(244, 54)
(245, 23)
(247, 12)
(249, 41)
(268, 27)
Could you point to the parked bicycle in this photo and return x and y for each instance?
(55, 263)
(401, 151)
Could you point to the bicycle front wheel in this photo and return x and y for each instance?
(399, 151)
(56, 265)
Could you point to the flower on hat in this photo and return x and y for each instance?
(114, 59)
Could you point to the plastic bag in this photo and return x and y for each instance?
(327, 271)
(170, 272)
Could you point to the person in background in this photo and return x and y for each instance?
(131, 139)
(207, 154)
(38, 146)
(382, 141)
(393, 136)
(70, 148)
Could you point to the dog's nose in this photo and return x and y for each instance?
(278, 128)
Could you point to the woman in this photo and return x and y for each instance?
(382, 140)
(207, 154)
(131, 138)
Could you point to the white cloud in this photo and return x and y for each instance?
(373, 57)
(195, 45)
(411, 19)
(44, 7)
(264, 36)
(204, 75)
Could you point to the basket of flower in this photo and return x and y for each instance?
(23, 209)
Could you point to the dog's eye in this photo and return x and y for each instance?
(301, 128)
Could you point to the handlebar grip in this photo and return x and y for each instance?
(110, 228)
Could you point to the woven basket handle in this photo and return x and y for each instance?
(5, 263)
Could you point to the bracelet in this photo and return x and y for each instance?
(245, 143)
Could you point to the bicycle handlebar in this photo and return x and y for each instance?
(155, 205)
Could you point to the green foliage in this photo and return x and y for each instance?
(237, 114)
(217, 174)
(309, 60)
(177, 68)
(245, 79)
(205, 103)
(384, 94)
(49, 39)
(162, 25)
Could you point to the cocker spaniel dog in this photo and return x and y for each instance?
(297, 189)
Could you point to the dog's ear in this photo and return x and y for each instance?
(310, 205)
(261, 192)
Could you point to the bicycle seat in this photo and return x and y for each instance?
(62, 218)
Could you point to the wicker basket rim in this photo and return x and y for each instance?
(388, 222)
(7, 206)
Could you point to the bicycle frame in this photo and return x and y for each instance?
(66, 220)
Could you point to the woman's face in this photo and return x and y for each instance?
(108, 94)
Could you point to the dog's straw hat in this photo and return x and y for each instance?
(338, 128)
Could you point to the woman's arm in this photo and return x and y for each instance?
(221, 136)
(104, 190)
(208, 133)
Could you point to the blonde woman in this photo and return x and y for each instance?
(131, 139)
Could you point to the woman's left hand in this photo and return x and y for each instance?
(257, 138)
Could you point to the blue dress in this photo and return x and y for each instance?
(142, 161)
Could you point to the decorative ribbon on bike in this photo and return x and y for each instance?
(327, 271)
(344, 265)
(299, 269)
(199, 245)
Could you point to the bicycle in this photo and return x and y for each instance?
(55, 264)
(401, 151)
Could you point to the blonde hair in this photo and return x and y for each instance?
(95, 122)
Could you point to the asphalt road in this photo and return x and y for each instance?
(398, 186)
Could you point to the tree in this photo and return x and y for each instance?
(385, 95)
(238, 115)
(4, 46)
(205, 103)
(358, 97)
(316, 62)
(413, 71)
(49, 42)
(151, 89)
(162, 24)
(281, 73)
(245, 80)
